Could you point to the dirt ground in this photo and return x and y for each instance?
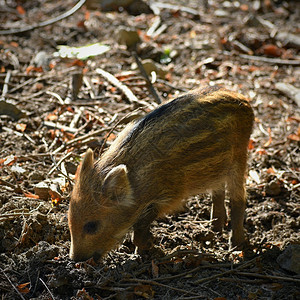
(53, 108)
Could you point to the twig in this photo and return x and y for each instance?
(276, 61)
(45, 23)
(161, 284)
(21, 296)
(175, 7)
(35, 79)
(212, 266)
(149, 84)
(171, 85)
(13, 216)
(47, 288)
(59, 162)
(247, 281)
(113, 80)
(180, 253)
(79, 139)
(272, 277)
(59, 126)
(250, 262)
(289, 90)
(3, 182)
(58, 97)
(6, 81)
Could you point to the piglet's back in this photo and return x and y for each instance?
(186, 145)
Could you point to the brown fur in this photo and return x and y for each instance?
(193, 144)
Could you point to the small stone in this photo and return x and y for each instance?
(129, 37)
(290, 259)
(273, 188)
(36, 176)
(42, 190)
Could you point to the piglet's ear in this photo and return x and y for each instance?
(86, 164)
(116, 186)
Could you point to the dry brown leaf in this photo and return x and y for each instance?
(30, 195)
(21, 10)
(23, 288)
(251, 144)
(271, 50)
(294, 137)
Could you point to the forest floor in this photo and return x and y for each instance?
(53, 108)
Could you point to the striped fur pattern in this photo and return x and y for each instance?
(190, 145)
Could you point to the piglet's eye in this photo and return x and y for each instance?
(91, 227)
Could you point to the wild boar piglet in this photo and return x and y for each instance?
(193, 144)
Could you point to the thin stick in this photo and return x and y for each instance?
(6, 183)
(250, 262)
(21, 296)
(6, 81)
(113, 80)
(59, 162)
(45, 23)
(59, 126)
(162, 285)
(47, 288)
(81, 138)
(276, 61)
(149, 84)
(13, 216)
(272, 277)
(213, 266)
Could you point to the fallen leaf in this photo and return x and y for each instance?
(244, 7)
(261, 151)
(8, 161)
(30, 195)
(33, 68)
(83, 52)
(110, 137)
(21, 10)
(251, 144)
(11, 110)
(23, 288)
(77, 62)
(81, 24)
(52, 116)
(87, 15)
(271, 50)
(14, 44)
(293, 118)
(294, 137)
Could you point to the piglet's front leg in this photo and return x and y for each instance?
(143, 238)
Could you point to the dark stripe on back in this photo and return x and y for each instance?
(163, 111)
